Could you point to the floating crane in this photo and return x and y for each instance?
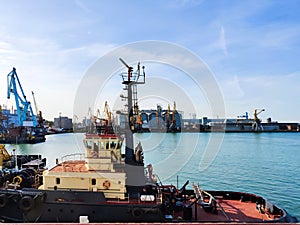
(22, 105)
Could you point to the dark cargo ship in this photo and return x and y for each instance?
(104, 185)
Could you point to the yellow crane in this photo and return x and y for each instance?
(168, 113)
(3, 153)
(256, 113)
(38, 112)
(256, 126)
(107, 112)
(174, 112)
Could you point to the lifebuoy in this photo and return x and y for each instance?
(3, 200)
(17, 180)
(137, 213)
(26, 203)
(106, 184)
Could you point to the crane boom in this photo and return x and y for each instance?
(35, 105)
(22, 104)
(130, 69)
(125, 64)
(107, 111)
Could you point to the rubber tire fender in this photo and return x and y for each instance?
(3, 200)
(26, 203)
(137, 212)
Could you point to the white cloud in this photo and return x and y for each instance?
(277, 94)
(82, 6)
(280, 36)
(222, 41)
(52, 72)
(185, 3)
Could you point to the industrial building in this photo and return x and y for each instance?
(63, 122)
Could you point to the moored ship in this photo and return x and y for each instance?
(21, 126)
(105, 185)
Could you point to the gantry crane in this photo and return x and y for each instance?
(22, 105)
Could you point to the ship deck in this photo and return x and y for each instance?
(231, 211)
(70, 166)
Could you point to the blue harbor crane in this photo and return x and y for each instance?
(22, 105)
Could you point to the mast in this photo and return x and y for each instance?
(133, 159)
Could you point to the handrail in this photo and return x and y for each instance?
(199, 196)
(73, 156)
(213, 199)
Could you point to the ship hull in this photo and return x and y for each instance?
(32, 205)
(69, 206)
(22, 135)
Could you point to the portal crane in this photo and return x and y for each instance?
(22, 105)
(108, 112)
(257, 122)
(168, 117)
(174, 112)
(38, 112)
(97, 117)
(256, 113)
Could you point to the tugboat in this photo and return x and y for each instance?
(104, 185)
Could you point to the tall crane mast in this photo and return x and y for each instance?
(22, 105)
(38, 112)
(108, 113)
(134, 164)
(256, 126)
(35, 104)
(174, 112)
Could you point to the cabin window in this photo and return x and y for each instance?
(88, 144)
(93, 181)
(113, 145)
(96, 146)
(57, 180)
(102, 145)
(119, 145)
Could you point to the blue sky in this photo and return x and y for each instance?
(251, 47)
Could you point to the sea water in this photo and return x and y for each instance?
(266, 164)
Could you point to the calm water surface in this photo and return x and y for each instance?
(266, 164)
